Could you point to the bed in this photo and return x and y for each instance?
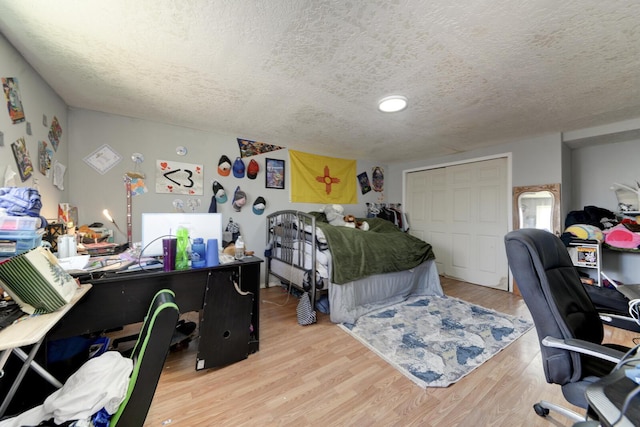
(359, 271)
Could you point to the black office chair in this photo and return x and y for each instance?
(569, 328)
(148, 356)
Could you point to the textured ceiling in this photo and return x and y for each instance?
(308, 74)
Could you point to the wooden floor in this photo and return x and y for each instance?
(319, 376)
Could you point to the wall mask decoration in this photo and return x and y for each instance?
(377, 176)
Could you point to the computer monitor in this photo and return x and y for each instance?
(156, 226)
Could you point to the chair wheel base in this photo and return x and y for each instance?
(540, 410)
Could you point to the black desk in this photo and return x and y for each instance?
(606, 397)
(119, 299)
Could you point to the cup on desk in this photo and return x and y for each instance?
(67, 246)
(169, 254)
(212, 253)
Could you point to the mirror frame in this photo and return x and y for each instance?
(554, 189)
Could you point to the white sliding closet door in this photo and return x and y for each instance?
(462, 211)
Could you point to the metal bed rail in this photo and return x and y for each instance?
(287, 234)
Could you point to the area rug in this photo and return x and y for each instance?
(436, 340)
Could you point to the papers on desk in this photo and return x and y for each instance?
(107, 263)
(74, 262)
(85, 263)
(123, 262)
(119, 263)
(145, 265)
(102, 248)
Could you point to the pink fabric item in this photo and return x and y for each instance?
(620, 237)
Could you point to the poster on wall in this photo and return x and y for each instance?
(45, 157)
(23, 161)
(103, 159)
(55, 132)
(250, 148)
(14, 100)
(179, 178)
(365, 186)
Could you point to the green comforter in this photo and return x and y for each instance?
(384, 248)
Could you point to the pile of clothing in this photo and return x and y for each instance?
(21, 201)
(601, 225)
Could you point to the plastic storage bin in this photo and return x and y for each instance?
(17, 242)
(18, 223)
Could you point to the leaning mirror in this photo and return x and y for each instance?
(537, 206)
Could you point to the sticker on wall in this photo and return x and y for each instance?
(179, 178)
(55, 132)
(250, 148)
(23, 161)
(28, 128)
(365, 186)
(45, 157)
(103, 159)
(377, 176)
(14, 100)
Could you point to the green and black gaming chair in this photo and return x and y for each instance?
(148, 356)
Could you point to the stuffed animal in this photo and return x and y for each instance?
(335, 215)
(350, 221)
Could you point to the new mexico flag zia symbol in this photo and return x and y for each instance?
(321, 179)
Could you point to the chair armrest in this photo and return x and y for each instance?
(584, 347)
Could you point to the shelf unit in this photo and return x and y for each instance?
(587, 257)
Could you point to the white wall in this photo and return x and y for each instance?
(92, 192)
(38, 99)
(595, 169)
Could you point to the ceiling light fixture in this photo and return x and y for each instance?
(392, 104)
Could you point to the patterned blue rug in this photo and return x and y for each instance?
(436, 340)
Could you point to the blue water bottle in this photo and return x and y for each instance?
(198, 253)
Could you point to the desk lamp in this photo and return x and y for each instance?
(111, 220)
(137, 158)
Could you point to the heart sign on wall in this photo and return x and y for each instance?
(179, 178)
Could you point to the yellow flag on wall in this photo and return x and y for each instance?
(321, 179)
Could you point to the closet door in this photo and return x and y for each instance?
(428, 212)
(462, 211)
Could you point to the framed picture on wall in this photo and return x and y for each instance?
(275, 173)
(23, 160)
